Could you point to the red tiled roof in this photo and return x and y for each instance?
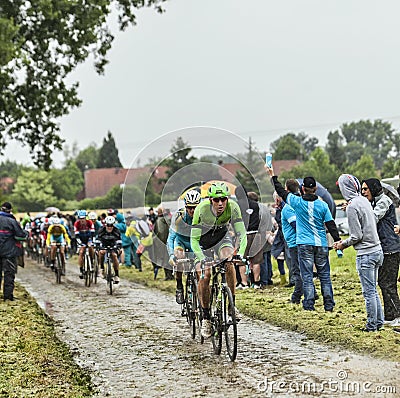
(284, 165)
(99, 181)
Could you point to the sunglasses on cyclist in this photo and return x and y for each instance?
(191, 207)
(216, 200)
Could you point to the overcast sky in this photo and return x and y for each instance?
(257, 68)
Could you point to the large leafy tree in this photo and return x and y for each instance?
(364, 168)
(41, 42)
(108, 153)
(375, 138)
(66, 182)
(87, 158)
(287, 148)
(33, 192)
(318, 166)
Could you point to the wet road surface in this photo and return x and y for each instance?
(136, 344)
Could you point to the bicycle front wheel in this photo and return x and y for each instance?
(58, 269)
(216, 321)
(86, 270)
(109, 277)
(95, 268)
(229, 324)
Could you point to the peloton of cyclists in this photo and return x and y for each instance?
(210, 224)
(179, 236)
(84, 232)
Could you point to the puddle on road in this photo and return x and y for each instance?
(136, 344)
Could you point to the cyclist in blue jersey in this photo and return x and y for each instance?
(312, 215)
(179, 236)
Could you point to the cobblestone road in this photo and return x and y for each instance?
(136, 344)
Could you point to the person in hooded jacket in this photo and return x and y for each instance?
(365, 240)
(126, 241)
(10, 233)
(385, 217)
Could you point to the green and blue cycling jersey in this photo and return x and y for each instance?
(179, 232)
(208, 229)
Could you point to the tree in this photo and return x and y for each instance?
(33, 192)
(335, 150)
(253, 169)
(377, 138)
(319, 166)
(87, 158)
(180, 170)
(287, 148)
(390, 168)
(108, 154)
(364, 168)
(41, 43)
(66, 182)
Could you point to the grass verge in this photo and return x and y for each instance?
(340, 328)
(33, 361)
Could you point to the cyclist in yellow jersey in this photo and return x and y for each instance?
(210, 224)
(57, 234)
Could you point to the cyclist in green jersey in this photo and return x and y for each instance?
(210, 224)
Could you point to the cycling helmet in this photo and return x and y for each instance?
(56, 220)
(110, 212)
(192, 198)
(82, 213)
(218, 190)
(109, 220)
(92, 215)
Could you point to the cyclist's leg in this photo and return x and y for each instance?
(91, 253)
(225, 252)
(101, 260)
(80, 259)
(53, 249)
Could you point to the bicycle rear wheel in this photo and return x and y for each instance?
(216, 321)
(229, 323)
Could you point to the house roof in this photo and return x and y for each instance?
(99, 181)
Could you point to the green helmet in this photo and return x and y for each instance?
(218, 190)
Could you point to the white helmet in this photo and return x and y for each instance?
(192, 198)
(109, 220)
(56, 220)
(92, 215)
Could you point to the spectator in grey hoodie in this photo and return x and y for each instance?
(385, 216)
(364, 238)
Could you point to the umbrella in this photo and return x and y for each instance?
(325, 196)
(390, 191)
(52, 209)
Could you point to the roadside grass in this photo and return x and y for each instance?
(33, 362)
(340, 328)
